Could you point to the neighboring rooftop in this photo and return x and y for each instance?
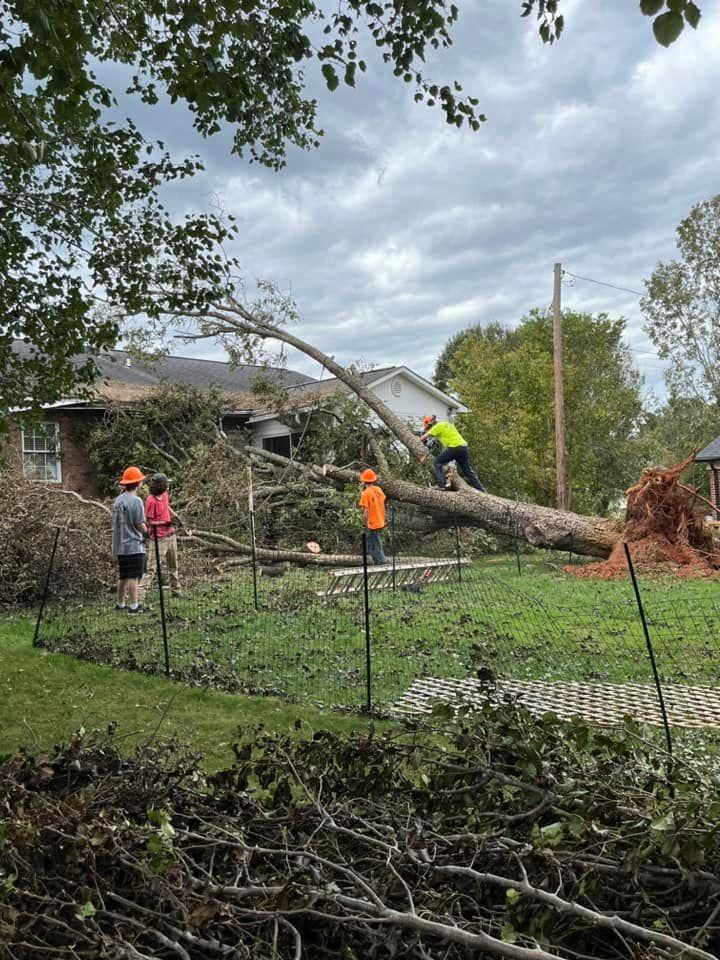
(122, 379)
(117, 367)
(710, 452)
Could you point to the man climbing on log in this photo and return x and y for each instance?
(454, 448)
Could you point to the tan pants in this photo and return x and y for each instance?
(167, 547)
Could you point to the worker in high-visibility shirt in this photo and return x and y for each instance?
(454, 448)
(372, 504)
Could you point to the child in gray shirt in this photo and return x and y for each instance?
(128, 540)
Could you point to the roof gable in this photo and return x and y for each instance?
(447, 399)
(303, 396)
(710, 452)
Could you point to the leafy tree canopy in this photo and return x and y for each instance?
(159, 433)
(682, 306)
(79, 210)
(446, 361)
(506, 378)
(679, 427)
(79, 205)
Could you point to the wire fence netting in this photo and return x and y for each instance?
(441, 607)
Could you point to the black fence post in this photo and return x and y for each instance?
(651, 654)
(163, 621)
(392, 543)
(46, 587)
(366, 600)
(251, 508)
(457, 553)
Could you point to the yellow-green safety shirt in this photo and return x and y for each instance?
(447, 434)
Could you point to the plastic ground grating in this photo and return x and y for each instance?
(605, 704)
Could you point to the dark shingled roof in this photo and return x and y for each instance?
(710, 452)
(113, 366)
(329, 384)
(314, 390)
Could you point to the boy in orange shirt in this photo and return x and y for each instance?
(372, 503)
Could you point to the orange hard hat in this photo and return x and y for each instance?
(368, 476)
(428, 420)
(131, 475)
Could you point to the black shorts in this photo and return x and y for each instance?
(131, 566)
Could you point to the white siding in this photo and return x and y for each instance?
(413, 402)
(268, 428)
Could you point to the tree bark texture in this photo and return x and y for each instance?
(538, 526)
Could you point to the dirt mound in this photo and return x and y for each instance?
(664, 528)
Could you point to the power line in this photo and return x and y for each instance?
(614, 286)
(603, 283)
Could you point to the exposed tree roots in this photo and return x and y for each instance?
(664, 530)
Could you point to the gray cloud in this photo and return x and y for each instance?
(401, 230)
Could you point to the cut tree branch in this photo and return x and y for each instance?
(267, 555)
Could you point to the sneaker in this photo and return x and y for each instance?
(120, 606)
(138, 609)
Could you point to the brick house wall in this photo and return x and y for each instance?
(76, 470)
(713, 470)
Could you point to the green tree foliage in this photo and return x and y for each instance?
(445, 363)
(160, 434)
(682, 306)
(506, 378)
(79, 206)
(680, 427)
(79, 202)
(176, 430)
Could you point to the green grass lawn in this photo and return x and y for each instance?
(47, 697)
(543, 624)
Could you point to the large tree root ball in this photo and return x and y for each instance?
(664, 529)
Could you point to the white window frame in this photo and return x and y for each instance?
(34, 445)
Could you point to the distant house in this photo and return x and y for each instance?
(710, 456)
(54, 451)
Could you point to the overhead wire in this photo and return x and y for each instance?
(602, 283)
(614, 286)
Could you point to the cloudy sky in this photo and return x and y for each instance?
(400, 230)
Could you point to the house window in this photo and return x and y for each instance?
(282, 445)
(41, 453)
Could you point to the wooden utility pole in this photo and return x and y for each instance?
(563, 496)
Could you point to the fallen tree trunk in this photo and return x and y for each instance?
(539, 526)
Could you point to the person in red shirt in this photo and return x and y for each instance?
(159, 517)
(372, 503)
